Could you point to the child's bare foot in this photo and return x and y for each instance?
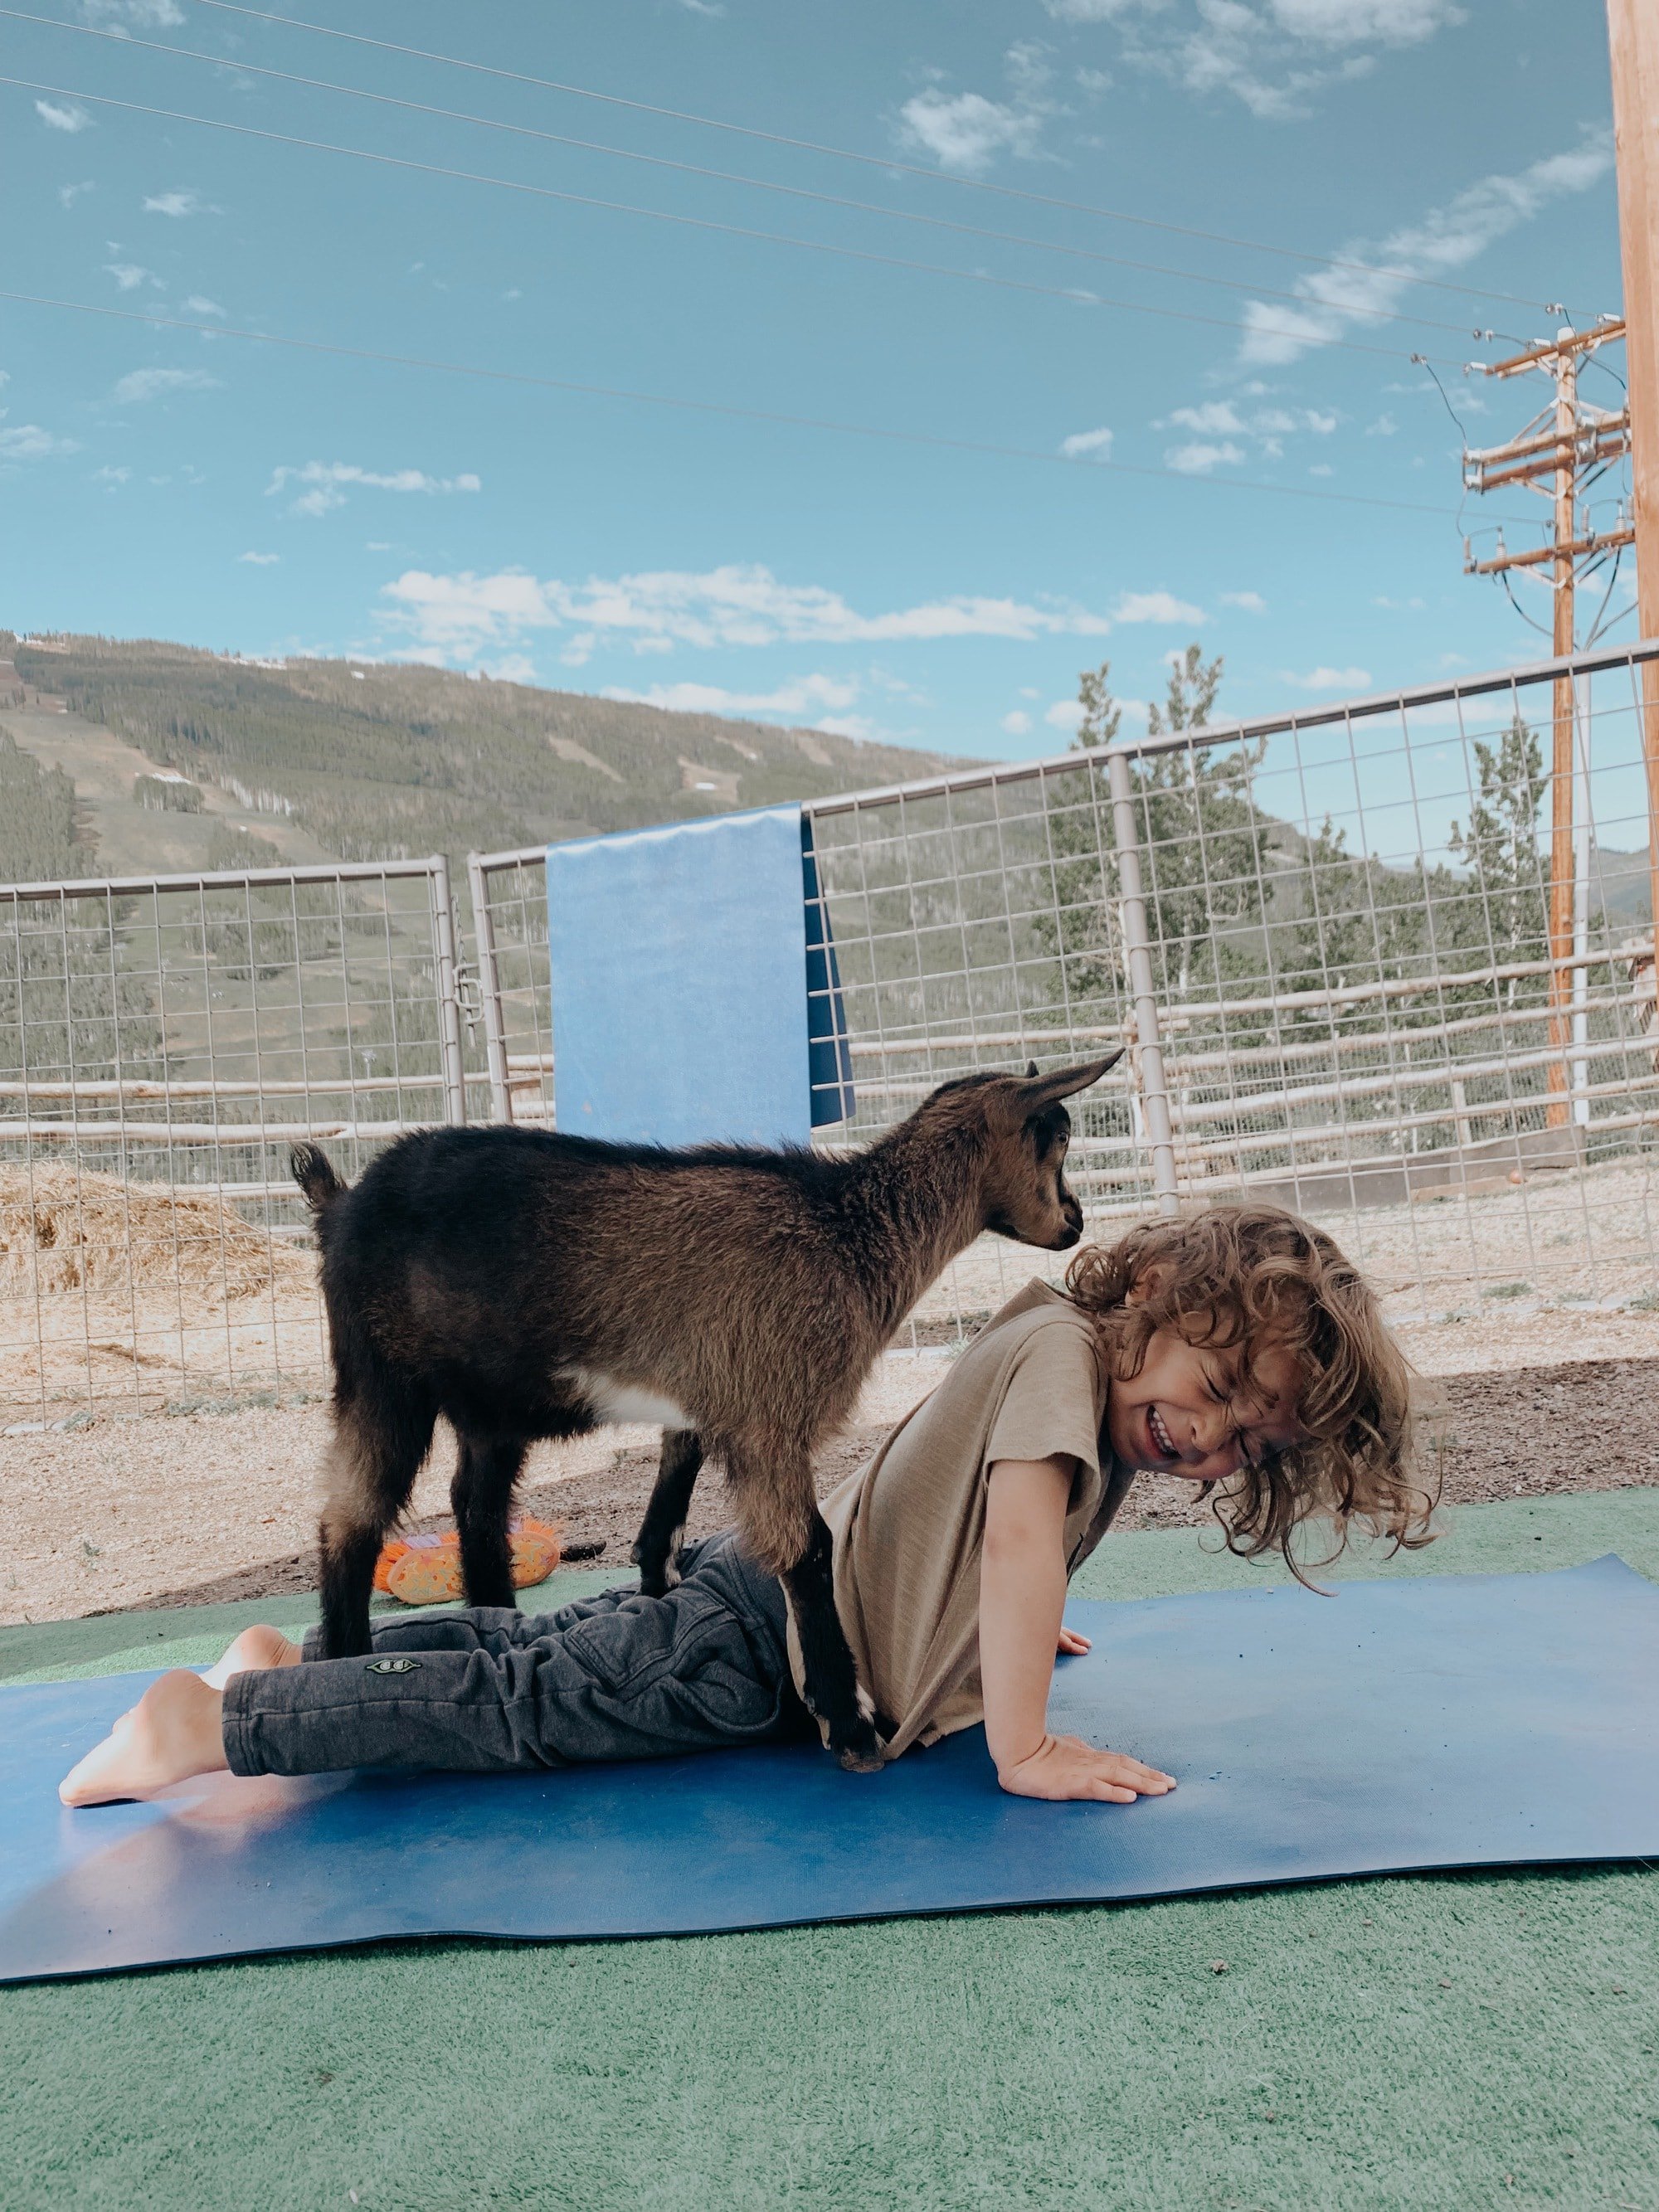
(173, 1732)
(256, 1648)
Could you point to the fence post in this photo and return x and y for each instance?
(449, 1005)
(489, 989)
(1154, 1086)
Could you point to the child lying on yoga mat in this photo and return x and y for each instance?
(1238, 1350)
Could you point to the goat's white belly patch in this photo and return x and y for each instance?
(626, 1402)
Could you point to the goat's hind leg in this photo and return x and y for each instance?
(781, 1523)
(381, 1434)
(657, 1549)
(481, 1495)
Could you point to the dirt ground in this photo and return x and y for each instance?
(202, 1507)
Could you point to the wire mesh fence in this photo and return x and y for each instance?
(1360, 971)
(162, 1042)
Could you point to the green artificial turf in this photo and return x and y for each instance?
(1456, 2041)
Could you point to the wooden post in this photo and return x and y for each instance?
(1562, 855)
(1633, 43)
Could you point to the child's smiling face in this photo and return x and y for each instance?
(1192, 1410)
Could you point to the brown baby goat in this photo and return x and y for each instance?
(526, 1284)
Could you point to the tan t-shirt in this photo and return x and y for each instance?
(908, 1528)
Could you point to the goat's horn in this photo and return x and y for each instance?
(1065, 1081)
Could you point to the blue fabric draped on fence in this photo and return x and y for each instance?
(697, 998)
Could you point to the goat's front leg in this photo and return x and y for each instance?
(778, 1517)
(657, 1550)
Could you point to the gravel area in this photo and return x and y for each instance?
(198, 1508)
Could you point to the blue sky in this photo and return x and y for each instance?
(268, 500)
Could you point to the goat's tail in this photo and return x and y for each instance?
(313, 1170)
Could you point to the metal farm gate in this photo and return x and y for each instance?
(1359, 971)
(162, 1039)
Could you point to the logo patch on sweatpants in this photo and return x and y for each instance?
(391, 1666)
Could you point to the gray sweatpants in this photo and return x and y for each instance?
(618, 1676)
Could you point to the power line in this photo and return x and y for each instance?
(773, 416)
(868, 160)
(1074, 296)
(722, 176)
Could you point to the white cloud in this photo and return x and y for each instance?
(1216, 418)
(511, 668)
(72, 118)
(1329, 680)
(1065, 715)
(1355, 22)
(1100, 11)
(259, 560)
(1199, 457)
(141, 383)
(1445, 241)
(133, 15)
(1155, 607)
(325, 479)
(965, 130)
(1222, 419)
(1322, 469)
(198, 306)
(178, 205)
(1384, 427)
(727, 606)
(128, 275)
(110, 476)
(28, 441)
(1087, 444)
(1018, 724)
(1274, 57)
(800, 695)
(68, 194)
(1251, 602)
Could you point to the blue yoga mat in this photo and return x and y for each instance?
(1440, 1721)
(695, 996)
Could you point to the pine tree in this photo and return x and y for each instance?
(1507, 915)
(1202, 842)
(1193, 684)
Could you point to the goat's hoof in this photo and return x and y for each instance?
(860, 1752)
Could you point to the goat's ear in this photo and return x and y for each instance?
(1035, 1093)
(1031, 1067)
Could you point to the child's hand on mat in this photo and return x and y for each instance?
(1064, 1767)
(1071, 1646)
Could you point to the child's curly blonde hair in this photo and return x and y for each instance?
(1245, 1278)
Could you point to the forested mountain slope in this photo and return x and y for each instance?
(386, 762)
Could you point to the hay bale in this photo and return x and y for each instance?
(62, 1230)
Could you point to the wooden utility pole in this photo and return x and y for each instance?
(1562, 445)
(1633, 46)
